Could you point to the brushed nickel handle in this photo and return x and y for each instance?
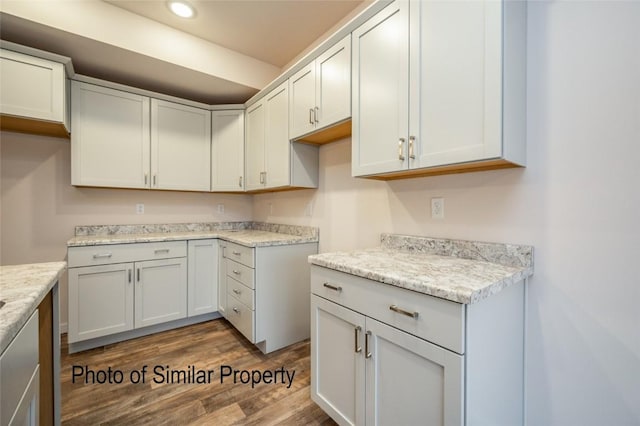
(395, 308)
(357, 347)
(145, 178)
(400, 149)
(412, 140)
(129, 271)
(138, 274)
(236, 310)
(240, 182)
(102, 255)
(311, 116)
(158, 251)
(236, 272)
(154, 180)
(316, 113)
(367, 354)
(237, 253)
(261, 177)
(332, 287)
(236, 291)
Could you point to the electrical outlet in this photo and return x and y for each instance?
(220, 208)
(437, 208)
(139, 208)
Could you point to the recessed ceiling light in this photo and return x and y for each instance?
(182, 9)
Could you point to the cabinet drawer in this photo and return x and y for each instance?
(439, 321)
(241, 317)
(241, 292)
(17, 364)
(240, 254)
(120, 253)
(241, 273)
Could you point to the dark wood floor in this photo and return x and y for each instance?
(206, 346)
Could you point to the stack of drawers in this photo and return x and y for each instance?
(240, 280)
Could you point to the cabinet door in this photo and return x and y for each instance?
(456, 83)
(161, 291)
(202, 277)
(380, 92)
(32, 87)
(180, 147)
(277, 148)
(337, 361)
(411, 381)
(100, 301)
(227, 150)
(302, 92)
(110, 138)
(254, 146)
(222, 279)
(333, 84)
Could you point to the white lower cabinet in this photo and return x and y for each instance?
(382, 355)
(161, 291)
(202, 281)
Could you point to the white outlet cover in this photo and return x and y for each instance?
(139, 208)
(437, 208)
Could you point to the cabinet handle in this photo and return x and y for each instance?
(138, 274)
(236, 310)
(412, 140)
(261, 177)
(145, 178)
(357, 347)
(316, 113)
(154, 180)
(265, 178)
(129, 271)
(224, 252)
(237, 253)
(311, 116)
(236, 291)
(395, 308)
(236, 272)
(101, 255)
(332, 287)
(400, 149)
(158, 251)
(240, 182)
(367, 354)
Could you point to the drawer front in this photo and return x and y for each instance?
(240, 254)
(120, 253)
(241, 292)
(17, 365)
(241, 273)
(439, 321)
(241, 317)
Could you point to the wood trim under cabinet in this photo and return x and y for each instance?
(476, 166)
(25, 125)
(328, 134)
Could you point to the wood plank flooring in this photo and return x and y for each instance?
(206, 346)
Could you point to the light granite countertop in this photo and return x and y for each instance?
(22, 288)
(250, 234)
(460, 271)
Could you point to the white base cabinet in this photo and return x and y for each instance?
(384, 355)
(161, 291)
(202, 280)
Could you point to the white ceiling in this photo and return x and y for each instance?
(268, 30)
(111, 46)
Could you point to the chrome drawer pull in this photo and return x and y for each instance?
(367, 354)
(332, 287)
(236, 310)
(395, 308)
(236, 291)
(357, 348)
(161, 251)
(237, 253)
(101, 255)
(236, 272)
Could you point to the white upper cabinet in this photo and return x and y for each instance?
(227, 151)
(180, 147)
(439, 87)
(320, 93)
(272, 161)
(110, 144)
(33, 89)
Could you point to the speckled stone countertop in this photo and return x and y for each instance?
(251, 234)
(459, 271)
(23, 287)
